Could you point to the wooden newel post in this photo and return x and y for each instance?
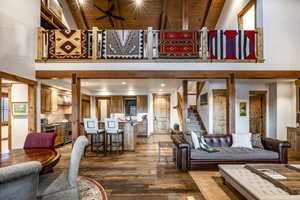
(204, 43)
(259, 44)
(40, 43)
(185, 103)
(75, 107)
(230, 108)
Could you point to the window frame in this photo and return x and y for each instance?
(244, 11)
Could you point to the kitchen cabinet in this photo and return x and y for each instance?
(54, 106)
(117, 104)
(85, 109)
(142, 104)
(59, 140)
(46, 100)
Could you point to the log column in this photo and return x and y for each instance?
(75, 107)
(230, 106)
(185, 103)
(32, 108)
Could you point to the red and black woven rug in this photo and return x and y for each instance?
(178, 44)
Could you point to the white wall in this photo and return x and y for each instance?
(18, 23)
(19, 93)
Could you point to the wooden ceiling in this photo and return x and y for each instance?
(159, 14)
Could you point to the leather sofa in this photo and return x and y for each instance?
(187, 158)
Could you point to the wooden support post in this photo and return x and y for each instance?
(185, 103)
(185, 14)
(204, 43)
(150, 43)
(32, 108)
(230, 106)
(75, 107)
(259, 44)
(40, 43)
(95, 43)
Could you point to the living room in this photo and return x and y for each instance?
(147, 99)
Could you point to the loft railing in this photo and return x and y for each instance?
(213, 46)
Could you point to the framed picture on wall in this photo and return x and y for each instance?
(20, 109)
(243, 109)
(204, 99)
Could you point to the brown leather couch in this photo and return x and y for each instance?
(184, 161)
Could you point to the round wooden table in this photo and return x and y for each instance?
(48, 157)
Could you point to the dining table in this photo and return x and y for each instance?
(47, 157)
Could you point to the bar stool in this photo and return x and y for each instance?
(112, 130)
(92, 130)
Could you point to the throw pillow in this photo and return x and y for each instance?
(195, 140)
(204, 146)
(256, 141)
(241, 140)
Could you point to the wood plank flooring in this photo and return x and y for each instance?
(137, 175)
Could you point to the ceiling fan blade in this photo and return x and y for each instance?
(111, 22)
(101, 17)
(112, 7)
(118, 17)
(99, 9)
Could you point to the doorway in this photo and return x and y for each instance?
(257, 108)
(219, 111)
(161, 113)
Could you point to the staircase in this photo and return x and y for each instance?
(194, 121)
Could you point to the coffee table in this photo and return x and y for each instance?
(253, 186)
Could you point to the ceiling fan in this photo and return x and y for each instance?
(109, 13)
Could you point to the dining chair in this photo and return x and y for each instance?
(91, 129)
(20, 181)
(62, 184)
(40, 141)
(112, 130)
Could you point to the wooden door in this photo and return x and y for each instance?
(257, 121)
(117, 104)
(219, 111)
(142, 104)
(161, 113)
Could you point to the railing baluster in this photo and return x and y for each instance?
(150, 43)
(204, 43)
(94, 47)
(259, 45)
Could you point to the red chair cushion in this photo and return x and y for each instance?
(40, 141)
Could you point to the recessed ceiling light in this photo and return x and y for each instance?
(124, 83)
(162, 85)
(138, 2)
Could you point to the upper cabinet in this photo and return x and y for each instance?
(46, 99)
(142, 104)
(117, 104)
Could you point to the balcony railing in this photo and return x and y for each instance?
(155, 46)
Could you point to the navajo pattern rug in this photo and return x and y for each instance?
(122, 44)
(67, 44)
(178, 44)
(231, 44)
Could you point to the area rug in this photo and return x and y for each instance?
(67, 44)
(122, 44)
(90, 189)
(231, 44)
(211, 186)
(178, 44)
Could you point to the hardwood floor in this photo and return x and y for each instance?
(137, 175)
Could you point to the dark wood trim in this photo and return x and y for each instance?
(76, 103)
(3, 123)
(167, 74)
(258, 92)
(244, 11)
(230, 111)
(185, 102)
(17, 78)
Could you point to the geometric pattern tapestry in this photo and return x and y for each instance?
(122, 44)
(178, 44)
(68, 44)
(231, 44)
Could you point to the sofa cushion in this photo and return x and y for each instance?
(235, 153)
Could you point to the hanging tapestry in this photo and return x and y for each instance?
(231, 44)
(68, 44)
(123, 44)
(178, 44)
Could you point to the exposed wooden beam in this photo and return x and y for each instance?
(76, 102)
(17, 78)
(163, 15)
(230, 106)
(167, 74)
(213, 13)
(185, 103)
(185, 14)
(208, 6)
(78, 14)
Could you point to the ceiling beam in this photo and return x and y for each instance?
(163, 15)
(213, 13)
(208, 6)
(167, 74)
(185, 14)
(78, 14)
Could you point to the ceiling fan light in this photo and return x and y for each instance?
(138, 2)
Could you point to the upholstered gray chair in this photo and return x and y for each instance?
(63, 185)
(20, 181)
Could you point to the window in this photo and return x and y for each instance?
(130, 107)
(247, 17)
(4, 109)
